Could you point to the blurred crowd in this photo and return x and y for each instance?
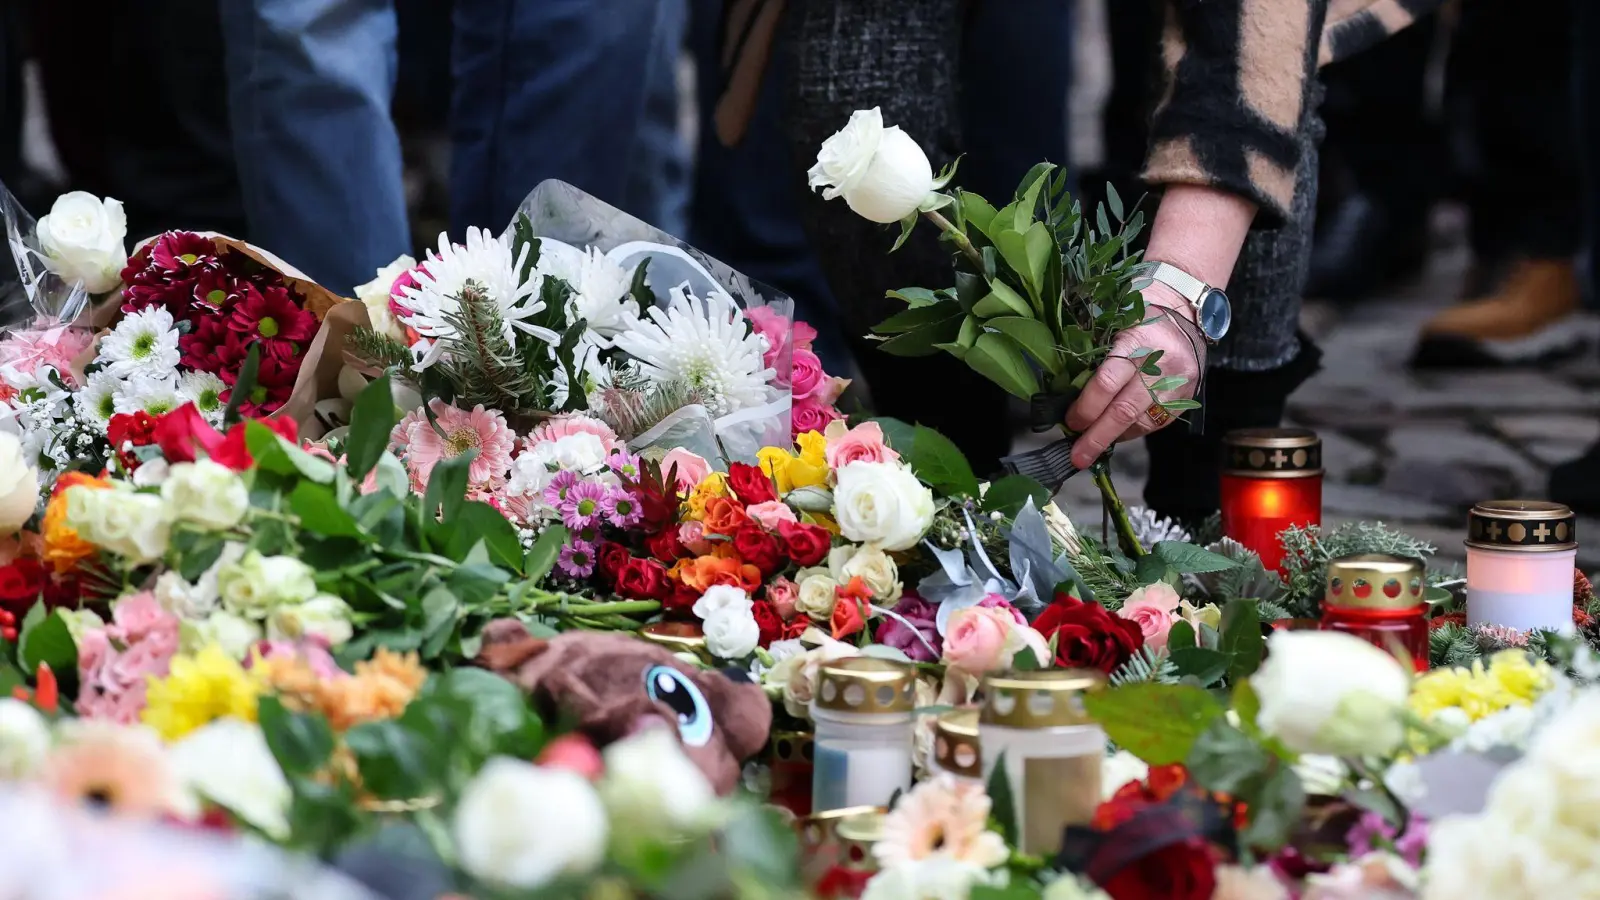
(342, 133)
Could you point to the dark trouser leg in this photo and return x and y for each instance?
(1015, 73)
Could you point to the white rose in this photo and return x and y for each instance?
(227, 762)
(19, 485)
(816, 596)
(939, 877)
(256, 585)
(83, 238)
(236, 635)
(651, 785)
(126, 522)
(883, 504)
(719, 597)
(182, 599)
(206, 493)
(24, 739)
(324, 616)
(1070, 887)
(1327, 692)
(877, 571)
(374, 295)
(732, 632)
(522, 826)
(880, 172)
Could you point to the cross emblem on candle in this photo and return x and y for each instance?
(1493, 531)
(1278, 459)
(1542, 532)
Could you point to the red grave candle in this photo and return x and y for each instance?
(1271, 481)
(1379, 599)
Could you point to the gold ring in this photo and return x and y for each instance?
(1158, 414)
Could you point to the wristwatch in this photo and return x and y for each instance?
(1212, 311)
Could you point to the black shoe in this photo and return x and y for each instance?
(1577, 483)
(1362, 246)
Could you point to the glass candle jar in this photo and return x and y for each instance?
(955, 745)
(1271, 481)
(790, 760)
(1520, 558)
(862, 715)
(1035, 725)
(1379, 599)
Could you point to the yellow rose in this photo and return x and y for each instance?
(805, 473)
(775, 461)
(822, 519)
(812, 448)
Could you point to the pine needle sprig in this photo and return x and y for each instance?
(377, 350)
(484, 366)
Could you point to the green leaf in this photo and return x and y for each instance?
(1169, 383)
(900, 435)
(372, 418)
(1008, 495)
(1002, 805)
(917, 317)
(1241, 638)
(1038, 245)
(1226, 760)
(907, 225)
(1246, 704)
(1026, 661)
(1376, 801)
(499, 719)
(1001, 301)
(447, 487)
(243, 385)
(45, 638)
(925, 340)
(480, 522)
(1013, 247)
(1205, 666)
(300, 742)
(274, 454)
(1191, 560)
(999, 359)
(1114, 200)
(394, 762)
(977, 211)
(320, 513)
(1028, 195)
(940, 464)
(1150, 569)
(1178, 406)
(1275, 809)
(1159, 723)
(1181, 636)
(1034, 336)
(542, 555)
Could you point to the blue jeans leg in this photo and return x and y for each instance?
(547, 89)
(309, 85)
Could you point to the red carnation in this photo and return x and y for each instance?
(643, 579)
(183, 433)
(126, 430)
(807, 545)
(759, 549)
(21, 585)
(750, 484)
(1086, 635)
(767, 619)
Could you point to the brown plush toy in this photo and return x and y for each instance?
(616, 684)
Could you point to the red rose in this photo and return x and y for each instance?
(807, 544)
(1087, 636)
(643, 579)
(750, 484)
(1181, 871)
(182, 432)
(767, 619)
(665, 546)
(759, 549)
(612, 557)
(680, 599)
(21, 583)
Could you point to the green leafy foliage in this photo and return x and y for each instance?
(1009, 494)
(372, 420)
(44, 638)
(1159, 723)
(1308, 550)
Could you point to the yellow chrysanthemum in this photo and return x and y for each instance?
(1512, 678)
(775, 461)
(199, 689)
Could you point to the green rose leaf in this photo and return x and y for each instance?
(300, 742)
(1226, 760)
(940, 464)
(480, 522)
(45, 638)
(1205, 666)
(1241, 638)
(1275, 809)
(1191, 560)
(320, 513)
(274, 454)
(1159, 723)
(1181, 636)
(999, 359)
(1008, 495)
(372, 418)
(395, 763)
(1003, 806)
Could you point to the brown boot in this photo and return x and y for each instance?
(1532, 317)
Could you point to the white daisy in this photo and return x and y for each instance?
(486, 261)
(706, 344)
(144, 342)
(97, 402)
(599, 289)
(204, 390)
(149, 394)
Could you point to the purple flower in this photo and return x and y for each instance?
(625, 464)
(1371, 833)
(581, 506)
(914, 641)
(621, 508)
(556, 491)
(577, 559)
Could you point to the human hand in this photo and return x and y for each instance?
(1116, 404)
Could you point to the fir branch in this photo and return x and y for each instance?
(1307, 552)
(483, 365)
(1146, 666)
(377, 350)
(633, 410)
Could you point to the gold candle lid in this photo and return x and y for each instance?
(955, 742)
(679, 637)
(856, 836)
(819, 828)
(1272, 453)
(1375, 581)
(1045, 698)
(793, 746)
(1524, 526)
(866, 684)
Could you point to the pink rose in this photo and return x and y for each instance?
(811, 416)
(575, 753)
(776, 329)
(692, 535)
(397, 291)
(770, 513)
(977, 639)
(863, 443)
(1153, 607)
(782, 594)
(691, 468)
(805, 374)
(995, 601)
(828, 394)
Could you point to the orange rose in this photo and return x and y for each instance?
(703, 572)
(724, 516)
(63, 549)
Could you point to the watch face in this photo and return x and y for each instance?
(1215, 314)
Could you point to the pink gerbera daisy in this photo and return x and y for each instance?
(564, 426)
(454, 432)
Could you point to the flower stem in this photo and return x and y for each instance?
(618, 608)
(1126, 537)
(958, 237)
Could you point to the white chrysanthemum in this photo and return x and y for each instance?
(204, 390)
(97, 402)
(704, 343)
(148, 394)
(486, 261)
(143, 343)
(599, 287)
(1151, 528)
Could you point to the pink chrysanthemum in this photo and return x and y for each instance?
(562, 483)
(458, 431)
(624, 464)
(577, 559)
(565, 426)
(621, 508)
(583, 504)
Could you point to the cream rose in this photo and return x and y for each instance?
(1330, 693)
(817, 594)
(522, 826)
(256, 585)
(880, 172)
(83, 239)
(374, 295)
(324, 616)
(128, 523)
(234, 634)
(731, 632)
(19, 485)
(652, 786)
(205, 493)
(801, 683)
(24, 739)
(883, 504)
(876, 570)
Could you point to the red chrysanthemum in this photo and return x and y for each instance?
(272, 319)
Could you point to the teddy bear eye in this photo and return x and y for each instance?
(667, 685)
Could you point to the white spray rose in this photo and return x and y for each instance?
(126, 522)
(522, 826)
(1330, 693)
(324, 616)
(227, 762)
(880, 172)
(374, 295)
(256, 585)
(236, 635)
(732, 632)
(650, 784)
(876, 570)
(19, 485)
(83, 238)
(24, 739)
(938, 877)
(883, 504)
(719, 597)
(206, 493)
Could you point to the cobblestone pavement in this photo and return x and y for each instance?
(1416, 450)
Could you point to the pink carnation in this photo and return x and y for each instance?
(457, 431)
(1154, 608)
(115, 662)
(863, 443)
(769, 514)
(565, 426)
